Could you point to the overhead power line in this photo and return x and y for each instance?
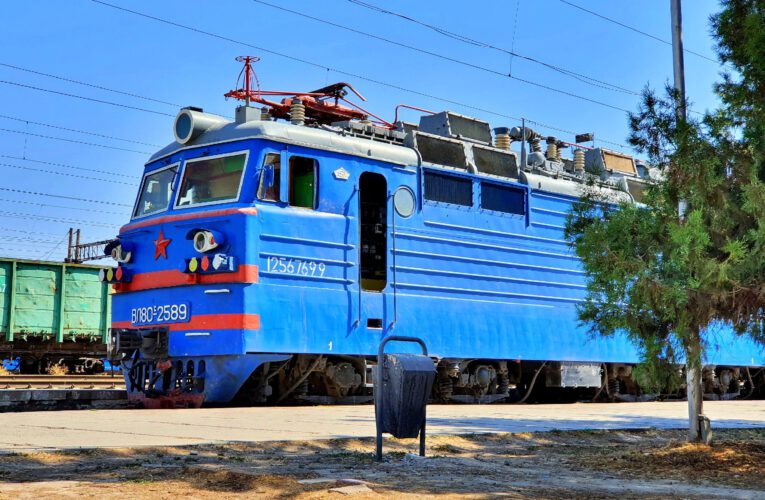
(472, 41)
(105, 172)
(446, 58)
(26, 216)
(30, 240)
(55, 172)
(22, 250)
(325, 67)
(92, 99)
(13, 253)
(26, 231)
(125, 213)
(73, 141)
(47, 254)
(17, 250)
(92, 85)
(95, 134)
(87, 200)
(515, 30)
(33, 244)
(631, 28)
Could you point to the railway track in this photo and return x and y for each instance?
(61, 382)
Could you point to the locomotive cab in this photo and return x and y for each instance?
(224, 237)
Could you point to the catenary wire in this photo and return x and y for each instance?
(53, 249)
(328, 68)
(106, 172)
(29, 244)
(448, 58)
(15, 253)
(11, 131)
(54, 172)
(26, 231)
(511, 52)
(92, 85)
(631, 28)
(92, 99)
(125, 213)
(64, 197)
(28, 252)
(95, 134)
(23, 215)
(579, 76)
(29, 240)
(515, 31)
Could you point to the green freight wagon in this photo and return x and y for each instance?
(53, 313)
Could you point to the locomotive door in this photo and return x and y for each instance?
(373, 249)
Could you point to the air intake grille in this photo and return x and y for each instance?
(495, 162)
(448, 189)
(441, 152)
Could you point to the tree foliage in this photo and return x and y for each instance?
(666, 282)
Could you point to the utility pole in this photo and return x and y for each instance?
(79, 252)
(696, 429)
(677, 57)
(678, 63)
(69, 248)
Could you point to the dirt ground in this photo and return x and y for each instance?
(581, 464)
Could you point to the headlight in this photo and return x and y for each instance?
(120, 251)
(121, 254)
(204, 241)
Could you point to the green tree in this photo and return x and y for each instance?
(668, 281)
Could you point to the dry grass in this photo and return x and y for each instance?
(58, 370)
(586, 464)
(727, 461)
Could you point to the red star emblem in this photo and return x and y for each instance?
(160, 245)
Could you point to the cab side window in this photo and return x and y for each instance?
(303, 182)
(270, 178)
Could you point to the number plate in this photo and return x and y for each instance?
(300, 267)
(160, 314)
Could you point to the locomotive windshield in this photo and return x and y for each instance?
(211, 180)
(156, 190)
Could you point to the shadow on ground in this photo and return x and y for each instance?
(472, 424)
(556, 464)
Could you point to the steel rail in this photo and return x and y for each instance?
(60, 381)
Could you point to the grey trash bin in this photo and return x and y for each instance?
(407, 381)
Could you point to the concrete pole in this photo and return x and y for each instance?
(678, 63)
(677, 57)
(69, 248)
(693, 345)
(77, 249)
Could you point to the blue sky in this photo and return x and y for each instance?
(89, 42)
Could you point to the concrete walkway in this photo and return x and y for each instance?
(131, 428)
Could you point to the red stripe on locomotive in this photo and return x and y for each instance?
(208, 322)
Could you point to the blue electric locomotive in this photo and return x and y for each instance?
(266, 259)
